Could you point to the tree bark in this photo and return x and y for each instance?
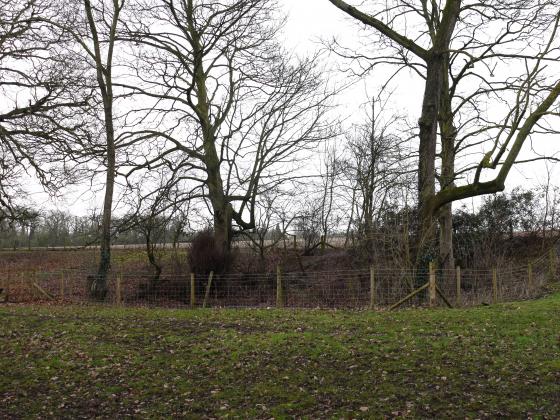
(218, 200)
(98, 286)
(436, 77)
(428, 123)
(222, 227)
(426, 233)
(448, 134)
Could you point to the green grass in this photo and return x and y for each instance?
(494, 361)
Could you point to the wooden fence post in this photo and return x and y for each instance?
(458, 285)
(22, 287)
(208, 286)
(7, 291)
(62, 285)
(432, 286)
(279, 287)
(494, 286)
(32, 280)
(193, 291)
(529, 278)
(118, 293)
(371, 287)
(4, 290)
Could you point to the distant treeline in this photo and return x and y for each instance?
(479, 231)
(56, 228)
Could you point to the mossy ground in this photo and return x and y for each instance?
(501, 360)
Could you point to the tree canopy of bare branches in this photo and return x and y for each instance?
(228, 111)
(42, 99)
(458, 49)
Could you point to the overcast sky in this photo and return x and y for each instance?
(312, 21)
(308, 22)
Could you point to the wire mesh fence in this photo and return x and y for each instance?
(362, 288)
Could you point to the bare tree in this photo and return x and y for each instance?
(308, 225)
(104, 66)
(332, 169)
(443, 43)
(41, 106)
(271, 224)
(232, 114)
(379, 164)
(94, 28)
(550, 197)
(158, 215)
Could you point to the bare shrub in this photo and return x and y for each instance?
(206, 255)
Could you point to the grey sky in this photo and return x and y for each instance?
(308, 22)
(312, 20)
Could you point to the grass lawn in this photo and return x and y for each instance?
(502, 360)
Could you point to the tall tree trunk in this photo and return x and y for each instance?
(436, 82)
(441, 34)
(98, 286)
(426, 233)
(446, 257)
(447, 178)
(351, 220)
(220, 206)
(222, 227)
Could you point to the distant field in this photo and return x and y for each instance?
(335, 241)
(502, 360)
(23, 260)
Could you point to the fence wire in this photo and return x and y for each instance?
(353, 289)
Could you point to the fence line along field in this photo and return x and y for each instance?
(372, 287)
